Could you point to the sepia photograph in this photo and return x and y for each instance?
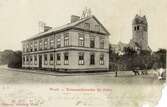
(83, 53)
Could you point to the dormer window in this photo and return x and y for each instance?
(87, 26)
(97, 28)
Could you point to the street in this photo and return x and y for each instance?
(126, 90)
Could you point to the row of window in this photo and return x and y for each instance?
(66, 59)
(137, 28)
(87, 26)
(81, 42)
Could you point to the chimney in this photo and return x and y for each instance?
(46, 28)
(74, 18)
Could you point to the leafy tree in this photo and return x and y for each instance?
(15, 60)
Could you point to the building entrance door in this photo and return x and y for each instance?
(40, 61)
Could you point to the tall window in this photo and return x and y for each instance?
(40, 44)
(66, 39)
(51, 59)
(27, 59)
(92, 42)
(97, 28)
(58, 41)
(35, 59)
(92, 59)
(31, 62)
(101, 59)
(24, 58)
(27, 48)
(35, 46)
(45, 59)
(51, 42)
(66, 58)
(101, 42)
(81, 58)
(31, 46)
(45, 43)
(87, 26)
(58, 59)
(81, 39)
(137, 27)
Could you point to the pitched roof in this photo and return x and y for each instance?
(65, 27)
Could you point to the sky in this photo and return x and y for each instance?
(19, 18)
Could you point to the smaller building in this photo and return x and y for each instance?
(119, 48)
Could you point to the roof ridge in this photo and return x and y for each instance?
(59, 28)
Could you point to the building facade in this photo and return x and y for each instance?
(81, 45)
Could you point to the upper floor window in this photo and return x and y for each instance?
(58, 59)
(40, 44)
(97, 28)
(66, 39)
(87, 26)
(51, 42)
(31, 46)
(102, 42)
(66, 58)
(58, 41)
(81, 58)
(101, 59)
(81, 39)
(92, 59)
(45, 43)
(92, 42)
(35, 46)
(27, 47)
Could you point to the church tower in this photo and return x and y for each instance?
(140, 33)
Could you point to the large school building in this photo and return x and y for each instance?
(81, 45)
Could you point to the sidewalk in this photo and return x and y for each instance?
(53, 73)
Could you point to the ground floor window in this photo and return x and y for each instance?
(31, 61)
(92, 59)
(81, 58)
(51, 59)
(24, 59)
(66, 58)
(45, 59)
(35, 59)
(58, 61)
(101, 59)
